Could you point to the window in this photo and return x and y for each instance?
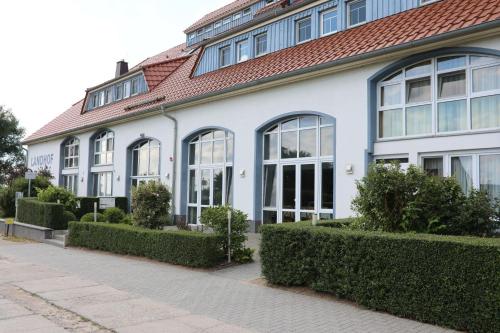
(303, 30)
(356, 12)
(210, 172)
(227, 20)
(109, 96)
(71, 153)
(70, 183)
(103, 184)
(200, 32)
(145, 164)
(237, 16)
(103, 148)
(101, 98)
(118, 92)
(439, 96)
(126, 89)
(489, 174)
(134, 89)
(328, 22)
(217, 24)
(192, 36)
(433, 166)
(298, 169)
(247, 11)
(242, 51)
(225, 56)
(261, 44)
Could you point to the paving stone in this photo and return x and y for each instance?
(9, 309)
(33, 323)
(161, 326)
(79, 292)
(58, 283)
(199, 322)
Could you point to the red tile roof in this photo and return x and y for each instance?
(220, 13)
(402, 29)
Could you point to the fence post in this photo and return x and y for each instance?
(229, 236)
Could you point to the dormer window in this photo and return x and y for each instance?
(126, 89)
(356, 12)
(227, 20)
(261, 44)
(247, 11)
(225, 56)
(134, 86)
(115, 92)
(118, 92)
(242, 51)
(237, 16)
(303, 30)
(217, 24)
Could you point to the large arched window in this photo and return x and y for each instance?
(210, 172)
(145, 164)
(104, 146)
(70, 163)
(298, 169)
(440, 96)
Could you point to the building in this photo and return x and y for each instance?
(278, 107)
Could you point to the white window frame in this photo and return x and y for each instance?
(247, 11)
(101, 140)
(70, 182)
(151, 176)
(256, 44)
(322, 22)
(71, 144)
(348, 11)
(297, 30)
(238, 50)
(98, 177)
(221, 56)
(427, 2)
(127, 89)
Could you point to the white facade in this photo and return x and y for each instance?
(343, 96)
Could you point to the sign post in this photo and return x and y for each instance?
(19, 195)
(8, 223)
(29, 175)
(95, 211)
(229, 236)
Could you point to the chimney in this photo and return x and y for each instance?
(121, 68)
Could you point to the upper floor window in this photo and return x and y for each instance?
(225, 56)
(261, 44)
(217, 24)
(328, 22)
(356, 12)
(242, 51)
(126, 89)
(227, 20)
(247, 11)
(104, 148)
(303, 30)
(72, 153)
(116, 92)
(441, 95)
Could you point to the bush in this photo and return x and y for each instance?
(150, 205)
(69, 216)
(8, 195)
(127, 219)
(446, 280)
(338, 223)
(58, 194)
(216, 218)
(42, 214)
(192, 249)
(89, 217)
(390, 199)
(114, 215)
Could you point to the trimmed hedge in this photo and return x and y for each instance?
(444, 280)
(42, 214)
(185, 248)
(339, 223)
(87, 205)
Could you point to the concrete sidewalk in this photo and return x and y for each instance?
(104, 292)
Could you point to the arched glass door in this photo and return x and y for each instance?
(298, 170)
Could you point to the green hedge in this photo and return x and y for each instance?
(444, 280)
(43, 214)
(87, 205)
(185, 248)
(339, 223)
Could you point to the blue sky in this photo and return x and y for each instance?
(52, 50)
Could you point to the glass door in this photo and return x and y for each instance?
(298, 199)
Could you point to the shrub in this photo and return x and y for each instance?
(69, 216)
(216, 218)
(43, 214)
(150, 205)
(127, 219)
(338, 223)
(89, 217)
(446, 280)
(8, 195)
(192, 249)
(390, 199)
(114, 215)
(86, 205)
(58, 194)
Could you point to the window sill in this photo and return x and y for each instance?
(438, 135)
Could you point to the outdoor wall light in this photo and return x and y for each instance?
(242, 173)
(118, 178)
(349, 169)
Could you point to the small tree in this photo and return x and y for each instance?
(58, 194)
(8, 194)
(151, 205)
(11, 150)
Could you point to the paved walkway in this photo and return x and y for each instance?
(99, 292)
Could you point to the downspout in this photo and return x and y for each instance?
(174, 172)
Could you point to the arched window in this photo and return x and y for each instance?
(104, 146)
(71, 160)
(145, 164)
(439, 96)
(298, 169)
(210, 172)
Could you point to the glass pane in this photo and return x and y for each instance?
(205, 187)
(143, 161)
(207, 136)
(419, 120)
(109, 184)
(109, 144)
(485, 79)
(477, 60)
(206, 153)
(452, 116)
(218, 156)
(229, 185)
(329, 22)
(135, 162)
(192, 215)
(433, 166)
(485, 112)
(307, 186)
(357, 12)
(419, 69)
(461, 169)
(271, 146)
(390, 95)
(154, 161)
(451, 62)
(306, 216)
(218, 174)
(269, 217)
(391, 123)
(229, 149)
(289, 145)
(304, 30)
(194, 153)
(289, 125)
(193, 187)
(326, 121)
(327, 185)
(288, 217)
(288, 187)
(326, 141)
(219, 134)
(307, 140)
(309, 121)
(418, 91)
(394, 77)
(270, 185)
(451, 84)
(489, 175)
